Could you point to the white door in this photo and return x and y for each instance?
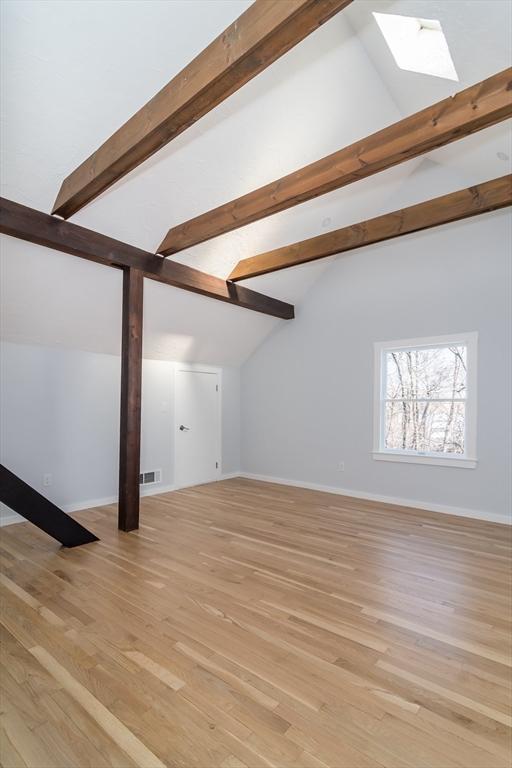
(197, 427)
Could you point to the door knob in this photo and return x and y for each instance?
(184, 429)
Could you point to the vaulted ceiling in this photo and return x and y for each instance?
(74, 72)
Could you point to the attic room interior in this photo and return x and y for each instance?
(256, 377)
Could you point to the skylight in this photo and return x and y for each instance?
(417, 45)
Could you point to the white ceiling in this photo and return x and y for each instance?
(478, 33)
(74, 72)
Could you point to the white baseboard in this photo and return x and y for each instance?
(222, 476)
(156, 490)
(77, 506)
(230, 475)
(395, 500)
(91, 503)
(12, 517)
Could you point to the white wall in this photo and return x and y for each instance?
(307, 392)
(60, 415)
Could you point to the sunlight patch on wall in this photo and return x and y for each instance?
(417, 45)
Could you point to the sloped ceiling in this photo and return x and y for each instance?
(74, 72)
(480, 42)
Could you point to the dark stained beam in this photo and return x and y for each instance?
(262, 34)
(40, 511)
(131, 384)
(471, 110)
(40, 228)
(462, 204)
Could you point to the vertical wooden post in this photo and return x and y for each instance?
(131, 383)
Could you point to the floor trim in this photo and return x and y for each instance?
(12, 517)
(396, 500)
(77, 506)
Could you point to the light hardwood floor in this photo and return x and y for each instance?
(249, 624)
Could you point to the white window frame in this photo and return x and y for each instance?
(467, 460)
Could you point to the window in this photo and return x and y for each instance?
(417, 45)
(425, 400)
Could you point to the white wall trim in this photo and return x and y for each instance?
(224, 476)
(427, 458)
(77, 506)
(467, 461)
(92, 503)
(12, 517)
(395, 500)
(231, 475)
(155, 490)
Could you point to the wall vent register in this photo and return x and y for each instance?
(150, 478)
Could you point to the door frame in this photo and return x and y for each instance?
(197, 368)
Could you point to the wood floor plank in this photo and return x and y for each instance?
(251, 625)
(118, 732)
(477, 706)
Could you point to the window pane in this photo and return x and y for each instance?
(430, 373)
(426, 426)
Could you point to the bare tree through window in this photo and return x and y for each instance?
(425, 399)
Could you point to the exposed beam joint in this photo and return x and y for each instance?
(262, 34)
(462, 204)
(471, 110)
(40, 228)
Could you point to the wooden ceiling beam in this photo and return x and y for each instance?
(262, 34)
(462, 204)
(40, 228)
(471, 110)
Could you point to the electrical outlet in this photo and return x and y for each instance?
(47, 480)
(341, 466)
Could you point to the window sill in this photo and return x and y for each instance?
(413, 458)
